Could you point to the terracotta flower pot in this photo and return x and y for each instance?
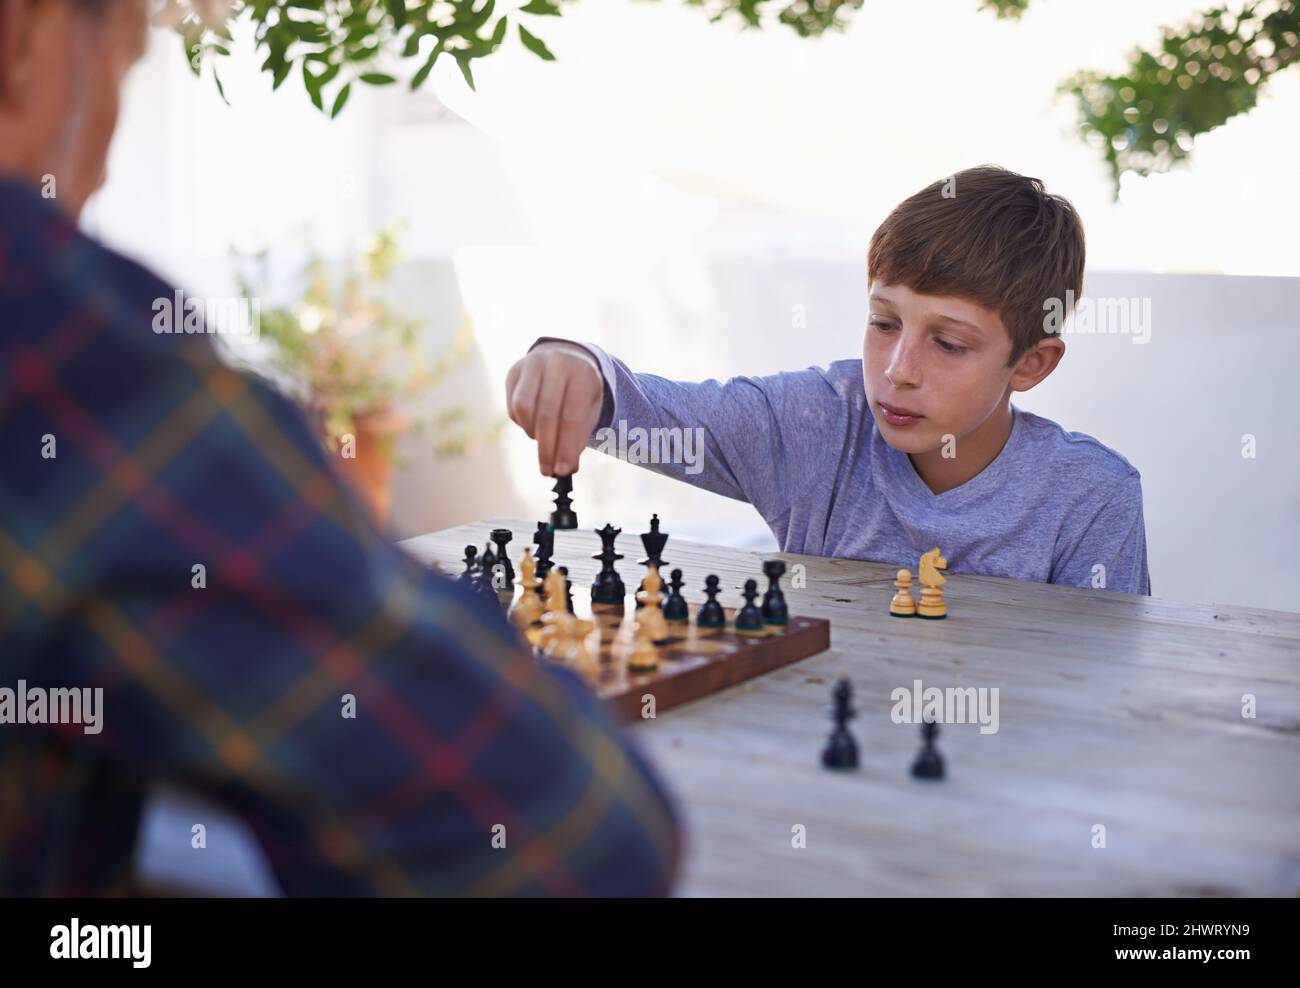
(367, 463)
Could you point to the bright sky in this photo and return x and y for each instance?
(843, 127)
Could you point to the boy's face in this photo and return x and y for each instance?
(933, 365)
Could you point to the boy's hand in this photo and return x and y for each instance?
(555, 395)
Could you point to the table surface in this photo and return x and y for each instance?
(1114, 709)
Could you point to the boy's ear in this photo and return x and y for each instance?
(1036, 363)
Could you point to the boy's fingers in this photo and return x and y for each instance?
(521, 399)
(546, 419)
(577, 419)
(512, 378)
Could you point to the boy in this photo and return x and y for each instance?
(917, 444)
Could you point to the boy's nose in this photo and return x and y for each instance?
(902, 367)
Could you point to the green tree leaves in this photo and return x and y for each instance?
(1142, 119)
(1202, 74)
(535, 44)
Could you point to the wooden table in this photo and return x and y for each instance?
(1116, 710)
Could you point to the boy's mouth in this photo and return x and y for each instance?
(897, 415)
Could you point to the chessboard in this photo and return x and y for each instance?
(639, 667)
(694, 662)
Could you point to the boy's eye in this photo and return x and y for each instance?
(880, 324)
(947, 347)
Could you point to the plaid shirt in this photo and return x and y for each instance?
(165, 458)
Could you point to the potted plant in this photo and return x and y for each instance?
(356, 365)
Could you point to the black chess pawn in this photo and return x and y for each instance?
(563, 517)
(486, 582)
(568, 587)
(502, 537)
(775, 610)
(674, 605)
(749, 617)
(608, 587)
(841, 751)
(496, 582)
(929, 763)
(544, 539)
(711, 614)
(490, 575)
(654, 542)
(470, 576)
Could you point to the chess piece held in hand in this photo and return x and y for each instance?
(563, 517)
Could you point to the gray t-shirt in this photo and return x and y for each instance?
(803, 448)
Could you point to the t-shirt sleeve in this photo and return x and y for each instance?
(1111, 552)
(728, 437)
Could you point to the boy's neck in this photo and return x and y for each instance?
(974, 451)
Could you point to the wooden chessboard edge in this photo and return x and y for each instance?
(812, 638)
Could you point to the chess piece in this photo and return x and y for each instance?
(495, 582)
(556, 616)
(674, 606)
(527, 610)
(932, 604)
(650, 615)
(607, 588)
(490, 575)
(903, 604)
(654, 542)
(749, 618)
(774, 607)
(841, 751)
(711, 614)
(929, 763)
(644, 657)
(563, 516)
(470, 577)
(572, 647)
(544, 539)
(568, 588)
(501, 537)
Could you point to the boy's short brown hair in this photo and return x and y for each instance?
(988, 235)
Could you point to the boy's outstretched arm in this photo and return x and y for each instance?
(730, 437)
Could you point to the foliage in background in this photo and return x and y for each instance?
(1202, 74)
(348, 354)
(1143, 119)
